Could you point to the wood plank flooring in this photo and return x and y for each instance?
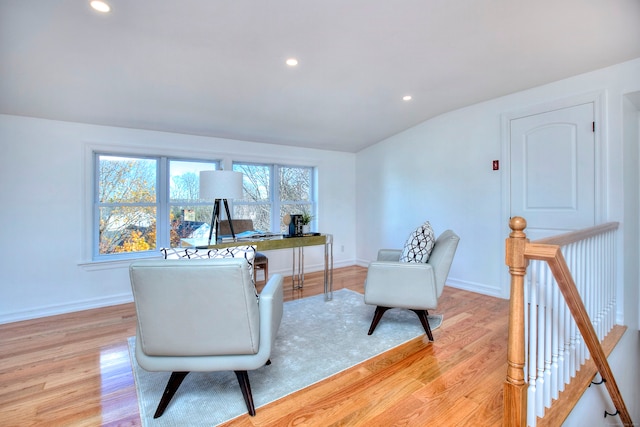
(74, 370)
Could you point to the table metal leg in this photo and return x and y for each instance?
(328, 268)
(297, 274)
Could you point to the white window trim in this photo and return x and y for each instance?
(274, 170)
(88, 188)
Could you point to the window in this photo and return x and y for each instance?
(144, 203)
(271, 192)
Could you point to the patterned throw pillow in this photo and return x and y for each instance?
(247, 252)
(180, 253)
(419, 244)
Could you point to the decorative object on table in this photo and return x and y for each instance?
(220, 186)
(306, 222)
(295, 224)
(411, 284)
(202, 316)
(310, 346)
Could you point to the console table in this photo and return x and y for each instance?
(298, 244)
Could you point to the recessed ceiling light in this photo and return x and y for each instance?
(292, 62)
(100, 6)
(406, 98)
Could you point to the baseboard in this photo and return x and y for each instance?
(310, 268)
(479, 288)
(52, 310)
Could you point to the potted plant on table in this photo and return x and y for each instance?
(306, 222)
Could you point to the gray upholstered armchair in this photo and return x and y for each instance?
(410, 285)
(203, 315)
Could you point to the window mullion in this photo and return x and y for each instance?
(95, 238)
(275, 198)
(162, 204)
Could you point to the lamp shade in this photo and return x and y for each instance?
(220, 185)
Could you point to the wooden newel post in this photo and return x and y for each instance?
(515, 387)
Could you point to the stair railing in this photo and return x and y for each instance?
(549, 336)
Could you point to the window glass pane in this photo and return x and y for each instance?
(189, 217)
(184, 179)
(126, 180)
(256, 182)
(127, 229)
(260, 214)
(126, 204)
(189, 222)
(295, 183)
(256, 202)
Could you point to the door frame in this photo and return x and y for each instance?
(600, 197)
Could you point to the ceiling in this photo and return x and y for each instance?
(217, 67)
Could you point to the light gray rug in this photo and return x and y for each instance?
(316, 339)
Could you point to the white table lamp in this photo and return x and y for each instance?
(219, 186)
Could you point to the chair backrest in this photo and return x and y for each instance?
(195, 307)
(441, 257)
(239, 225)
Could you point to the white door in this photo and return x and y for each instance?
(553, 170)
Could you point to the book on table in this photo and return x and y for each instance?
(250, 235)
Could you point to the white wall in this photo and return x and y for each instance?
(43, 191)
(624, 358)
(441, 171)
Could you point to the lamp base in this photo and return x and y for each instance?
(215, 220)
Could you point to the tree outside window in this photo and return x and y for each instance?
(137, 212)
(126, 204)
(272, 191)
(143, 203)
(190, 217)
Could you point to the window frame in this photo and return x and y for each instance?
(163, 203)
(274, 192)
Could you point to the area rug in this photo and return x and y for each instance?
(316, 339)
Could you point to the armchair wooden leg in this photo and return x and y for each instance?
(376, 318)
(172, 386)
(424, 319)
(243, 380)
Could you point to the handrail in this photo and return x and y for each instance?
(518, 253)
(576, 236)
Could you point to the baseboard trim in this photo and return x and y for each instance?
(53, 310)
(312, 268)
(479, 288)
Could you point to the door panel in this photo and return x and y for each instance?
(553, 170)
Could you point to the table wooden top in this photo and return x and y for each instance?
(272, 243)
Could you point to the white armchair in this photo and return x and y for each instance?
(409, 285)
(203, 315)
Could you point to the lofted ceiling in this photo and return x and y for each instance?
(217, 67)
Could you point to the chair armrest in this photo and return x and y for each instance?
(401, 284)
(271, 306)
(389, 254)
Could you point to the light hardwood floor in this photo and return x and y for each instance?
(74, 370)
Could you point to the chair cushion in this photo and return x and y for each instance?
(419, 244)
(260, 258)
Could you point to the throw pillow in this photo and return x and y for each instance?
(180, 253)
(419, 244)
(247, 252)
